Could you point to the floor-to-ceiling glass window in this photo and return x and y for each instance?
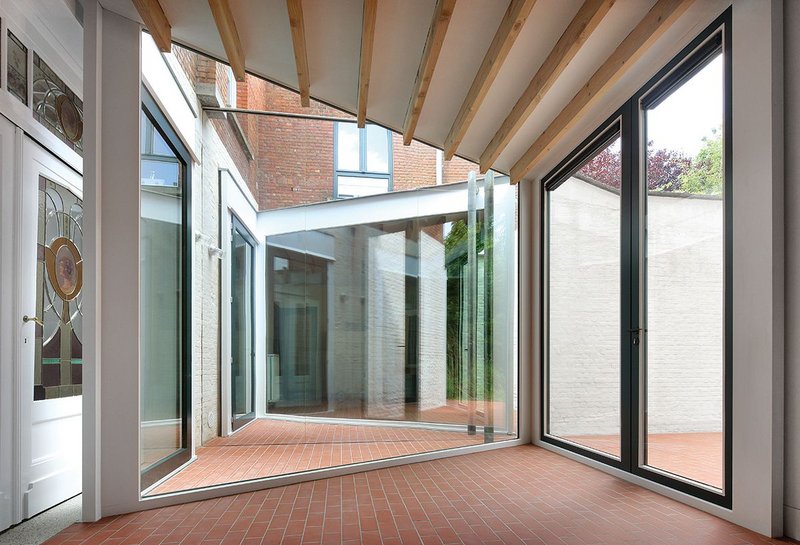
(683, 270)
(584, 303)
(637, 282)
(242, 322)
(164, 300)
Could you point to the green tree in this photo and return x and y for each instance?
(704, 176)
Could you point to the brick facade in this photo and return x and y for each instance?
(289, 162)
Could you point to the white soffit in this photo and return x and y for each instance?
(333, 39)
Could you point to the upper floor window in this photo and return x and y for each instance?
(231, 88)
(362, 160)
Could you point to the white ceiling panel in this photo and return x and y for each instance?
(333, 37)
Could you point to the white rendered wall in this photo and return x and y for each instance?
(792, 210)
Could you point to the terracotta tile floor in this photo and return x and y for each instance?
(696, 456)
(270, 447)
(520, 495)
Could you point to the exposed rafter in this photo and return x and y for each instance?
(367, 41)
(156, 22)
(660, 17)
(578, 31)
(226, 27)
(510, 27)
(430, 55)
(297, 23)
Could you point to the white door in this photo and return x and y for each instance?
(49, 349)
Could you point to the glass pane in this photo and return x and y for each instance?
(356, 186)
(58, 364)
(584, 304)
(685, 280)
(348, 147)
(242, 372)
(377, 149)
(160, 173)
(161, 320)
(17, 74)
(55, 105)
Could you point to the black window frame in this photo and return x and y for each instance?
(716, 38)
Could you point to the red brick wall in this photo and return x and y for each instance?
(293, 158)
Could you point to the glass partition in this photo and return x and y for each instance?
(389, 331)
(164, 424)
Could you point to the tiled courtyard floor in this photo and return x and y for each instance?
(696, 456)
(519, 495)
(268, 447)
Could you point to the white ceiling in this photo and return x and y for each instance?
(333, 29)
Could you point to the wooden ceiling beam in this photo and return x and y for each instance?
(510, 27)
(367, 42)
(660, 17)
(156, 22)
(297, 24)
(577, 32)
(430, 55)
(226, 26)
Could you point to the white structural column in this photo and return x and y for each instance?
(112, 102)
(758, 266)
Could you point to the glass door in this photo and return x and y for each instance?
(164, 303)
(242, 323)
(683, 273)
(583, 236)
(637, 282)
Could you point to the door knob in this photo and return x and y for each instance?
(34, 319)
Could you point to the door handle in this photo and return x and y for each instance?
(34, 319)
(636, 332)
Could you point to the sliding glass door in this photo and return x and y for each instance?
(637, 282)
(242, 322)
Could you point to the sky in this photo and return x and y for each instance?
(690, 113)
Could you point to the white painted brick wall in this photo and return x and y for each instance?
(386, 326)
(685, 317)
(432, 324)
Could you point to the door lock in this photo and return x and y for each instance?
(636, 332)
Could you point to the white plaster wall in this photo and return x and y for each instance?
(685, 318)
(792, 210)
(432, 323)
(385, 325)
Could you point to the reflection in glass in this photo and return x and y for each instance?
(17, 68)
(684, 346)
(377, 145)
(161, 317)
(369, 321)
(348, 146)
(242, 356)
(583, 279)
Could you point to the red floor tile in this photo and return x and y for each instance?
(523, 495)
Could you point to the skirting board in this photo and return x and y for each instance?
(791, 522)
